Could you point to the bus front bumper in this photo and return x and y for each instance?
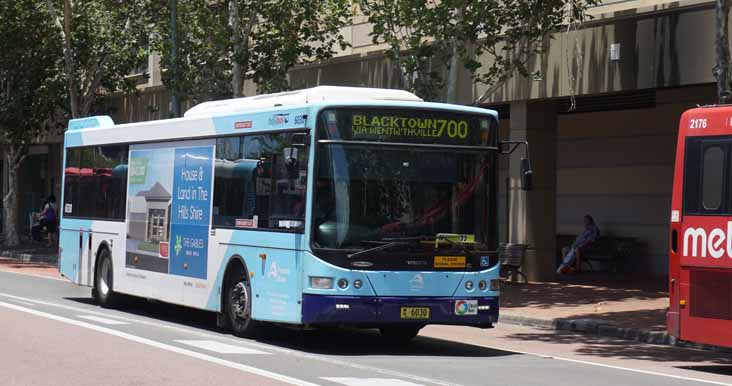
(362, 311)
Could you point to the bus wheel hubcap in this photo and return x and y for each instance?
(239, 300)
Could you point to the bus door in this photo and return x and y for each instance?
(76, 257)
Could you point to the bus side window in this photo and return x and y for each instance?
(712, 178)
(70, 205)
(707, 176)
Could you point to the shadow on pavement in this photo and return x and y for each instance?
(623, 349)
(586, 289)
(648, 320)
(713, 369)
(324, 341)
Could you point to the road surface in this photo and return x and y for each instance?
(53, 334)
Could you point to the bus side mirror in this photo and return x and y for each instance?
(527, 175)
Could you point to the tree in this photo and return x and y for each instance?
(509, 32)
(30, 91)
(722, 69)
(221, 44)
(103, 42)
(417, 47)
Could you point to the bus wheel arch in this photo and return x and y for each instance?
(236, 299)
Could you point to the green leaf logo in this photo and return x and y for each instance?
(178, 245)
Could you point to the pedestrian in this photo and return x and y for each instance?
(48, 219)
(585, 239)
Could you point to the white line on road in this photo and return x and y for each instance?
(369, 381)
(23, 303)
(163, 346)
(99, 319)
(220, 348)
(263, 346)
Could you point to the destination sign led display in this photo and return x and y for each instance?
(407, 126)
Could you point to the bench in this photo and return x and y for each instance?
(613, 250)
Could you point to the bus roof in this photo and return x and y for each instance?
(299, 98)
(282, 111)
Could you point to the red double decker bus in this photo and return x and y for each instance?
(700, 270)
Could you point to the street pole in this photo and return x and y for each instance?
(722, 69)
(174, 55)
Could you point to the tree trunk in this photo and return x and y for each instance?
(65, 31)
(13, 158)
(452, 74)
(722, 70)
(236, 73)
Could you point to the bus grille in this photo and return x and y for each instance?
(711, 295)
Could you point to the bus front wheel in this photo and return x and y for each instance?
(104, 280)
(399, 333)
(239, 308)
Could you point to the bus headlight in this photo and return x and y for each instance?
(495, 285)
(321, 282)
(342, 283)
(482, 285)
(469, 285)
(357, 284)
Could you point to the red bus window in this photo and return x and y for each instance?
(713, 177)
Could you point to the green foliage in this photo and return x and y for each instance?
(106, 41)
(261, 39)
(416, 39)
(422, 33)
(30, 89)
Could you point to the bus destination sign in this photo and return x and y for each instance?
(407, 126)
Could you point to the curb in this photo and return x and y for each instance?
(603, 328)
(30, 257)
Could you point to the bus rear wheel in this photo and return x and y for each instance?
(104, 281)
(239, 308)
(399, 334)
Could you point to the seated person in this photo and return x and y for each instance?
(590, 234)
(47, 220)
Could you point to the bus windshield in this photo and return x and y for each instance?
(368, 193)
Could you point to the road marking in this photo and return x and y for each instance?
(23, 303)
(220, 348)
(263, 346)
(163, 346)
(101, 320)
(370, 381)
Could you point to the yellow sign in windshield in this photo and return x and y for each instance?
(449, 261)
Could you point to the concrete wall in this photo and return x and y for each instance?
(667, 49)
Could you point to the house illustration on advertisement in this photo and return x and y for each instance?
(150, 215)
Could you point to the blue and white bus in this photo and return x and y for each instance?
(328, 206)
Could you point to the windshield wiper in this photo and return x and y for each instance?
(377, 248)
(436, 240)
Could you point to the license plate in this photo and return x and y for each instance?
(449, 261)
(415, 313)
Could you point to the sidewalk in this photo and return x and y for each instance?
(32, 259)
(37, 253)
(618, 306)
